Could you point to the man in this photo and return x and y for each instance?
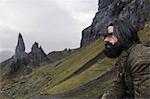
(133, 78)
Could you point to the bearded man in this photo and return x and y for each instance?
(133, 77)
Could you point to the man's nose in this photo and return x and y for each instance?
(106, 39)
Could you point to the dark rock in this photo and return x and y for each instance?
(86, 35)
(135, 11)
(14, 66)
(41, 93)
(148, 44)
(22, 82)
(20, 57)
(38, 56)
(13, 81)
(20, 45)
(49, 78)
(2, 90)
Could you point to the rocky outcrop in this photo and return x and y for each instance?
(21, 57)
(38, 56)
(24, 60)
(135, 11)
(20, 45)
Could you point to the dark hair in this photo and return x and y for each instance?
(125, 32)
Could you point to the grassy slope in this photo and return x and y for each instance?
(88, 75)
(73, 63)
(58, 55)
(57, 73)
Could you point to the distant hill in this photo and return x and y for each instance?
(58, 55)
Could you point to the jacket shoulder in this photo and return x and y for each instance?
(139, 63)
(139, 53)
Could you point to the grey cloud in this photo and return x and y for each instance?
(43, 21)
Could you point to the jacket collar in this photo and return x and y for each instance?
(126, 51)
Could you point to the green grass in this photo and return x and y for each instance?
(74, 62)
(88, 75)
(4, 70)
(58, 73)
(145, 34)
(58, 55)
(67, 67)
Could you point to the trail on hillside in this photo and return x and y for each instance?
(100, 56)
(89, 86)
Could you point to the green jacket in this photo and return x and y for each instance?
(133, 79)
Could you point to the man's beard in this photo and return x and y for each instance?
(113, 51)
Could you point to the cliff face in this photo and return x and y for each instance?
(135, 11)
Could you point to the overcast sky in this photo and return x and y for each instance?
(54, 24)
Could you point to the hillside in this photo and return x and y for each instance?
(45, 79)
(85, 73)
(58, 55)
(52, 74)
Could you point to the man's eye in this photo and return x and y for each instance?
(110, 34)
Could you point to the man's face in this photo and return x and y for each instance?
(111, 37)
(113, 48)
